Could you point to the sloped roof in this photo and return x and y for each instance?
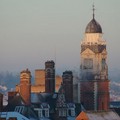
(82, 116)
(17, 100)
(70, 118)
(99, 115)
(39, 98)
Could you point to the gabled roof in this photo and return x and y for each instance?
(71, 105)
(82, 116)
(104, 51)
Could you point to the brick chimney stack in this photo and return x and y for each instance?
(25, 86)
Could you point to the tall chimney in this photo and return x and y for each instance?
(25, 86)
(1, 101)
(49, 77)
(68, 85)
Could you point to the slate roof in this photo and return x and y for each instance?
(17, 100)
(115, 104)
(39, 98)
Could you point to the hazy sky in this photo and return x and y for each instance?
(34, 31)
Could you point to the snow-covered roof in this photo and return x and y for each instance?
(103, 115)
(39, 97)
(70, 118)
(115, 104)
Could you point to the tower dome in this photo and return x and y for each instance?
(93, 27)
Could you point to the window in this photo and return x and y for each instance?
(67, 112)
(46, 113)
(88, 63)
(62, 112)
(40, 113)
(72, 112)
(103, 64)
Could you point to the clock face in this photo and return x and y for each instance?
(88, 63)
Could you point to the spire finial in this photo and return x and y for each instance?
(93, 10)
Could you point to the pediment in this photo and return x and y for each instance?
(104, 52)
(87, 52)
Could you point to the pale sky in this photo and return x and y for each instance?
(34, 31)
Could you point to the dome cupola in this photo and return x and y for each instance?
(93, 26)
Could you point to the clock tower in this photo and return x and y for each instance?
(94, 83)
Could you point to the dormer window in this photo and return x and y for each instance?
(46, 113)
(62, 112)
(39, 112)
(71, 109)
(72, 112)
(45, 109)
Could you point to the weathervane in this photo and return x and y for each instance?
(93, 10)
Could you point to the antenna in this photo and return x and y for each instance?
(55, 56)
(55, 66)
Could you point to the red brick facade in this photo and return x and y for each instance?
(103, 95)
(87, 94)
(95, 94)
(25, 86)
